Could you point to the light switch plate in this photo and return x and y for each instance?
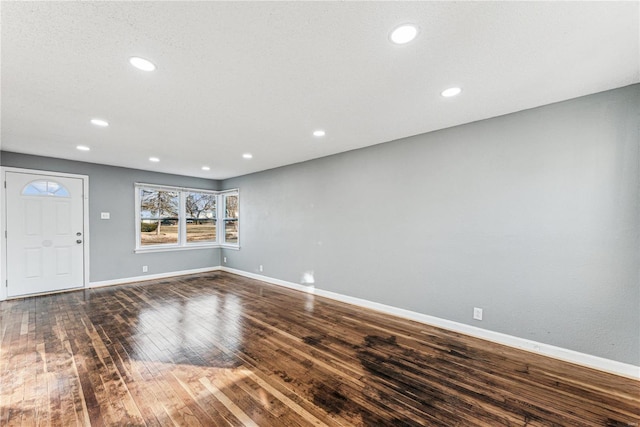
(105, 215)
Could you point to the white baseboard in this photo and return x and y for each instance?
(595, 362)
(151, 277)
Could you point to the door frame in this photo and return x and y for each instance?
(3, 215)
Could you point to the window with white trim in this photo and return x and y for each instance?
(45, 188)
(231, 217)
(172, 218)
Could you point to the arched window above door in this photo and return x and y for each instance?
(45, 188)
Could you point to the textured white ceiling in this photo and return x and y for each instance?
(259, 77)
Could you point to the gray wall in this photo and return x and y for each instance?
(112, 241)
(532, 216)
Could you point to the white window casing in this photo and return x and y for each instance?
(180, 217)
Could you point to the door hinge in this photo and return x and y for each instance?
(5, 234)
(6, 285)
(5, 184)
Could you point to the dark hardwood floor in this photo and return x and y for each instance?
(217, 349)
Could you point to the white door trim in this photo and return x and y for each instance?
(3, 213)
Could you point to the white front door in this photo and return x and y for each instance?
(45, 233)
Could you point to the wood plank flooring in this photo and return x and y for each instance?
(217, 349)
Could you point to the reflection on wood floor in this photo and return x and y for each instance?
(217, 349)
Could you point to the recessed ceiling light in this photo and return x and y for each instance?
(83, 148)
(154, 159)
(206, 168)
(100, 122)
(452, 91)
(247, 155)
(404, 34)
(318, 133)
(142, 64)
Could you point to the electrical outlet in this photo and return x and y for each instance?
(260, 267)
(224, 259)
(145, 268)
(477, 313)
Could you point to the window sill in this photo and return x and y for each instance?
(232, 247)
(181, 248)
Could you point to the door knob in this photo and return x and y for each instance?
(78, 241)
(78, 234)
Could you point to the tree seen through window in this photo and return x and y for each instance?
(159, 216)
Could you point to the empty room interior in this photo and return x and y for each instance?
(320, 213)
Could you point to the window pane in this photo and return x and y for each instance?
(201, 217)
(231, 207)
(159, 217)
(231, 218)
(45, 188)
(231, 230)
